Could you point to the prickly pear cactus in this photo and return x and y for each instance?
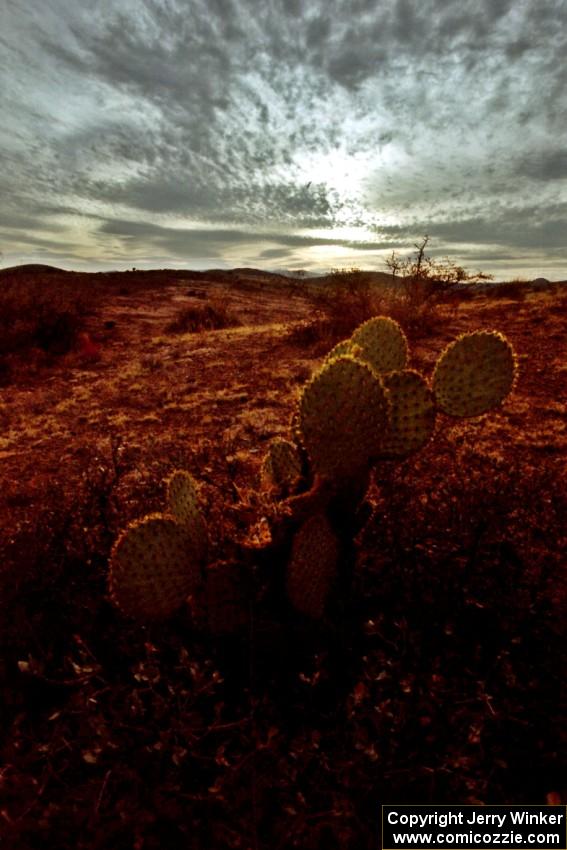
(153, 568)
(342, 410)
(361, 406)
(383, 344)
(412, 416)
(312, 569)
(183, 504)
(282, 464)
(347, 346)
(474, 374)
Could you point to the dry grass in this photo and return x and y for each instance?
(350, 298)
(47, 313)
(214, 315)
(516, 290)
(337, 307)
(439, 682)
(40, 319)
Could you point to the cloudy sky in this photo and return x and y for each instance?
(284, 133)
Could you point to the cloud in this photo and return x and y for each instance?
(546, 165)
(520, 228)
(185, 240)
(274, 254)
(16, 221)
(261, 120)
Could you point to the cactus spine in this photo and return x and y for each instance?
(153, 568)
(156, 563)
(282, 464)
(382, 344)
(182, 500)
(474, 374)
(342, 410)
(361, 406)
(412, 417)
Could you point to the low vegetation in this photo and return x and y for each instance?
(47, 314)
(209, 316)
(432, 672)
(410, 295)
(39, 320)
(423, 277)
(363, 407)
(345, 299)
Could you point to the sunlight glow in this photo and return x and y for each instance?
(338, 169)
(351, 234)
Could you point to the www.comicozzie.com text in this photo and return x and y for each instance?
(444, 819)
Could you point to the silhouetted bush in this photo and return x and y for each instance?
(516, 289)
(346, 300)
(45, 314)
(350, 297)
(419, 282)
(202, 317)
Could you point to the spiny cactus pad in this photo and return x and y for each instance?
(383, 343)
(347, 346)
(153, 568)
(313, 566)
(282, 464)
(183, 504)
(412, 418)
(342, 411)
(474, 374)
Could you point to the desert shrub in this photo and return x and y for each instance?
(45, 314)
(516, 289)
(419, 282)
(213, 315)
(345, 300)
(350, 297)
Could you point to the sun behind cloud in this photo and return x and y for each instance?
(269, 125)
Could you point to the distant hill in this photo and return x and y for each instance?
(382, 278)
(540, 284)
(243, 276)
(31, 269)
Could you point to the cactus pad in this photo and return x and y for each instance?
(347, 346)
(342, 411)
(313, 566)
(474, 374)
(153, 568)
(412, 418)
(282, 464)
(183, 505)
(383, 343)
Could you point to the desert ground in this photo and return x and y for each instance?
(451, 650)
